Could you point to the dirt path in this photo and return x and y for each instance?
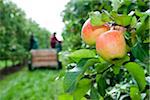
(9, 70)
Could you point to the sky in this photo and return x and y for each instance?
(45, 12)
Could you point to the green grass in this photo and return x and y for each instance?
(36, 85)
(9, 63)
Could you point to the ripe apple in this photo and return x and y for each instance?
(111, 45)
(89, 33)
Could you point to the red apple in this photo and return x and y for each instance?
(111, 45)
(89, 33)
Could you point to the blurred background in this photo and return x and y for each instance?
(19, 19)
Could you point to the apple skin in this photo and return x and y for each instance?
(111, 45)
(89, 33)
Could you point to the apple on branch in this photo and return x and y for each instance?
(111, 45)
(89, 32)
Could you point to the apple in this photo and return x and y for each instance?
(89, 33)
(111, 45)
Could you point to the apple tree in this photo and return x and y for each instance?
(111, 64)
(15, 31)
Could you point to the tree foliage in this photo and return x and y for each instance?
(15, 30)
(74, 16)
(77, 11)
(123, 80)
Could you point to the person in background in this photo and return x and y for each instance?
(56, 44)
(33, 42)
(59, 48)
(53, 40)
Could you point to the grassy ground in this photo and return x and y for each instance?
(9, 63)
(36, 85)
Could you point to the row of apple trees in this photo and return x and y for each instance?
(88, 74)
(15, 30)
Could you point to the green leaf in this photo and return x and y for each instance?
(115, 4)
(139, 14)
(94, 94)
(101, 59)
(147, 40)
(82, 88)
(133, 22)
(82, 53)
(123, 20)
(83, 98)
(101, 98)
(70, 80)
(100, 67)
(84, 63)
(65, 97)
(138, 74)
(134, 93)
(91, 62)
(96, 18)
(140, 53)
(105, 16)
(143, 25)
(147, 93)
(116, 69)
(101, 84)
(122, 60)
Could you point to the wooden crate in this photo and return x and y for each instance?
(44, 58)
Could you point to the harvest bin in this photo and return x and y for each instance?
(43, 58)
